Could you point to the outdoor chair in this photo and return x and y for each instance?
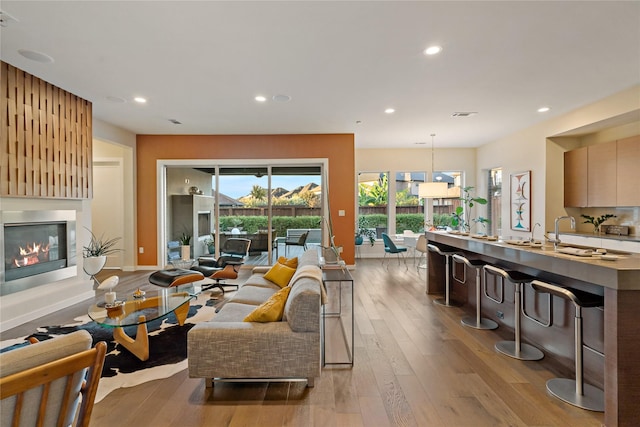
(296, 241)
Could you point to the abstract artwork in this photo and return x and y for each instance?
(521, 201)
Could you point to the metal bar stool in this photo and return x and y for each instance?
(446, 302)
(575, 392)
(516, 349)
(476, 322)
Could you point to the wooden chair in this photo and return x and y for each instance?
(58, 392)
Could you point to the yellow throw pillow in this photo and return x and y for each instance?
(289, 262)
(272, 309)
(280, 274)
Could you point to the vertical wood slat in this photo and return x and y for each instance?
(46, 138)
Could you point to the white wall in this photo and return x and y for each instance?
(529, 149)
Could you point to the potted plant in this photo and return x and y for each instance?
(95, 253)
(185, 242)
(210, 243)
(460, 218)
(364, 230)
(596, 222)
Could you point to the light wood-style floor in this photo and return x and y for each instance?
(415, 365)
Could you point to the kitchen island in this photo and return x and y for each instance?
(612, 334)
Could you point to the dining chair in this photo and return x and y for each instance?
(392, 248)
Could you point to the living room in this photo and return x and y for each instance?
(135, 157)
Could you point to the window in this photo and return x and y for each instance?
(373, 198)
(494, 201)
(409, 207)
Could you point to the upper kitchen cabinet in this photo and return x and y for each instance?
(575, 178)
(628, 171)
(602, 175)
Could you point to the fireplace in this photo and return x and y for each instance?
(39, 247)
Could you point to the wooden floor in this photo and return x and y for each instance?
(415, 365)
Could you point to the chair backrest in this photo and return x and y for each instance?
(421, 244)
(235, 247)
(52, 382)
(388, 243)
(303, 238)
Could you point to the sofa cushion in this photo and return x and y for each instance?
(289, 262)
(233, 312)
(280, 274)
(271, 310)
(254, 295)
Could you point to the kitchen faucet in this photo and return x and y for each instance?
(533, 229)
(556, 240)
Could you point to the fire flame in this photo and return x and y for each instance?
(32, 254)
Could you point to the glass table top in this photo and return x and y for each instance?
(154, 305)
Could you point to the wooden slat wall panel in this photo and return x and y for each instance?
(46, 139)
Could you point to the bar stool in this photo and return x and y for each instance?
(476, 322)
(575, 392)
(446, 302)
(516, 349)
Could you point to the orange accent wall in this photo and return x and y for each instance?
(339, 149)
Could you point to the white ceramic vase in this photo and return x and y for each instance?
(94, 264)
(185, 251)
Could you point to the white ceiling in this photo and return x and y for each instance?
(202, 63)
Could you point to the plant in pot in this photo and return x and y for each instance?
(185, 242)
(95, 253)
(596, 222)
(461, 217)
(364, 230)
(210, 243)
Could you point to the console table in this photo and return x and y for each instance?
(338, 322)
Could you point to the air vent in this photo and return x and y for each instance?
(175, 122)
(464, 114)
(6, 19)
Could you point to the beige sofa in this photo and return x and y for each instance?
(227, 348)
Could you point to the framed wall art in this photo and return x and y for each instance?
(520, 202)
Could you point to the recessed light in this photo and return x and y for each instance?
(543, 109)
(36, 56)
(432, 50)
(260, 98)
(116, 99)
(281, 98)
(390, 110)
(140, 100)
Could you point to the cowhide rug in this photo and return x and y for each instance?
(167, 346)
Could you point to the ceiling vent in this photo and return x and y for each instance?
(464, 113)
(6, 19)
(175, 122)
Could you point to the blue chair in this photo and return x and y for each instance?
(392, 248)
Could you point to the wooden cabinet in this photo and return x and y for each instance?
(628, 174)
(602, 175)
(575, 178)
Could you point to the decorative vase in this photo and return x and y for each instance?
(359, 240)
(94, 264)
(185, 251)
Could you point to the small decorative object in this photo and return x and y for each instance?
(109, 284)
(521, 201)
(95, 254)
(209, 242)
(185, 250)
(460, 218)
(596, 222)
(139, 293)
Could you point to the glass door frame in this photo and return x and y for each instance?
(161, 191)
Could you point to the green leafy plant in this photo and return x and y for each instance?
(364, 230)
(596, 222)
(99, 246)
(461, 216)
(185, 239)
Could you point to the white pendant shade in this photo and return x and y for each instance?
(432, 190)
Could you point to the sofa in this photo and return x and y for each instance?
(229, 348)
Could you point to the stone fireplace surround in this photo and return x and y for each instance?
(30, 304)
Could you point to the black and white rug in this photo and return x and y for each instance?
(167, 346)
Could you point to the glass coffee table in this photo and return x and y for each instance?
(137, 312)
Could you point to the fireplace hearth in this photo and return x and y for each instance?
(38, 248)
